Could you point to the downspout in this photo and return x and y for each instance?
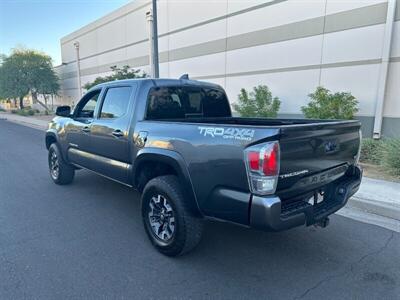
(383, 72)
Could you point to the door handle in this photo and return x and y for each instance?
(117, 133)
(86, 129)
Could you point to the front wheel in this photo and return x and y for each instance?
(172, 229)
(60, 171)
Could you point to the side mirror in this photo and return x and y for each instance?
(63, 111)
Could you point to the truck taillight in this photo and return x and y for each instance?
(262, 163)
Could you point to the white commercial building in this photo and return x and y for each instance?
(292, 46)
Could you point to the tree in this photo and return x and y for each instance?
(118, 74)
(49, 87)
(27, 71)
(325, 105)
(12, 84)
(257, 103)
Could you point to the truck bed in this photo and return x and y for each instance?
(254, 121)
(313, 153)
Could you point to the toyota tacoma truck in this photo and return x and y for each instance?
(176, 141)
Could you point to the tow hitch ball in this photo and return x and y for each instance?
(323, 223)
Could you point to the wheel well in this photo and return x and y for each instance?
(50, 140)
(151, 169)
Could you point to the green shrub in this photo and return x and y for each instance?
(257, 103)
(2, 109)
(371, 151)
(325, 105)
(391, 156)
(21, 112)
(24, 112)
(118, 73)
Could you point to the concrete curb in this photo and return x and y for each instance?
(26, 121)
(378, 197)
(379, 208)
(369, 218)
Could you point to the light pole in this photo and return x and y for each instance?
(151, 17)
(78, 68)
(383, 72)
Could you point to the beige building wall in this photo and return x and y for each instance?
(290, 45)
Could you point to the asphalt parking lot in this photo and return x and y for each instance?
(86, 240)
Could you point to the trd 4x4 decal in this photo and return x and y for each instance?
(227, 133)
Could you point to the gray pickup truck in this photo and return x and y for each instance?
(177, 143)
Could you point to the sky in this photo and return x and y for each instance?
(40, 24)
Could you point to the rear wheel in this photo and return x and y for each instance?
(172, 229)
(60, 171)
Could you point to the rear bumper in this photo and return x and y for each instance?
(268, 213)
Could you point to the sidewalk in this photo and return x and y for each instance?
(38, 122)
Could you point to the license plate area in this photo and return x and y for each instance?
(317, 198)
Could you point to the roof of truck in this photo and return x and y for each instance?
(161, 82)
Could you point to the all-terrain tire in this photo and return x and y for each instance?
(187, 228)
(61, 173)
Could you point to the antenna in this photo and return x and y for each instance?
(184, 77)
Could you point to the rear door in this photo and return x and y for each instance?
(110, 133)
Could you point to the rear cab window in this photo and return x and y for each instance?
(182, 102)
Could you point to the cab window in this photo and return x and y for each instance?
(86, 107)
(115, 102)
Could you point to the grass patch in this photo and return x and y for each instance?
(384, 153)
(371, 151)
(391, 156)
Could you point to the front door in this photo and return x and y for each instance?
(110, 131)
(78, 130)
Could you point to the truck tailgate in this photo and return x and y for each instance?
(313, 155)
